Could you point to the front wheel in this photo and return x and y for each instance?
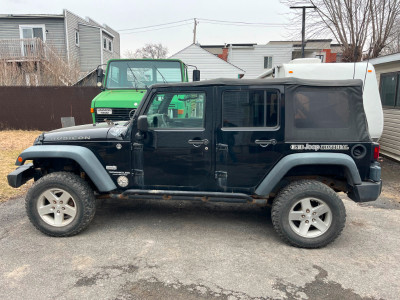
(60, 204)
(308, 214)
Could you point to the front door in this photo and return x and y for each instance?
(249, 136)
(178, 145)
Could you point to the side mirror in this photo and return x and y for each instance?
(196, 75)
(100, 76)
(143, 125)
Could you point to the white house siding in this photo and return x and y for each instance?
(210, 66)
(390, 140)
(251, 58)
(9, 29)
(89, 47)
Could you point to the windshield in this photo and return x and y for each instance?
(125, 74)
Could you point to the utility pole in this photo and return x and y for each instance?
(303, 26)
(194, 31)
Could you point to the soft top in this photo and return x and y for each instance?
(279, 81)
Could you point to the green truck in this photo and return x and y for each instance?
(126, 81)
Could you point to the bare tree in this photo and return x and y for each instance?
(382, 23)
(154, 51)
(358, 25)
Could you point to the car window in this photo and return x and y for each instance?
(321, 109)
(177, 110)
(251, 108)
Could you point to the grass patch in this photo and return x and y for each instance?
(12, 143)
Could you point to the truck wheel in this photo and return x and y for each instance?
(60, 204)
(308, 214)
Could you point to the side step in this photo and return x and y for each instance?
(187, 195)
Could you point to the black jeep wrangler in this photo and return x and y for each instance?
(289, 142)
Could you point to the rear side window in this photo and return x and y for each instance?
(325, 109)
(325, 114)
(252, 108)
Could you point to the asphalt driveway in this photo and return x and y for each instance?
(185, 250)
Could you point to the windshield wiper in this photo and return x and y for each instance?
(136, 80)
(160, 73)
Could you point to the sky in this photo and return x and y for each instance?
(123, 14)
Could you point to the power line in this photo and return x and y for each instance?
(155, 29)
(244, 23)
(207, 21)
(158, 25)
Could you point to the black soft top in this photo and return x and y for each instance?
(276, 81)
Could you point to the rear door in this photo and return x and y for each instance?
(179, 143)
(249, 136)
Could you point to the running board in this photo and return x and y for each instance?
(187, 195)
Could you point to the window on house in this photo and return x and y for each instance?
(267, 62)
(107, 44)
(389, 89)
(76, 37)
(29, 32)
(255, 108)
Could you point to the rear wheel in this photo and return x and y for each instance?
(60, 204)
(308, 214)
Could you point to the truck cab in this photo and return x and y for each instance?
(127, 80)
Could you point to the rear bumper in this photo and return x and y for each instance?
(21, 175)
(366, 191)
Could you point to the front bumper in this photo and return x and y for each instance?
(21, 175)
(366, 191)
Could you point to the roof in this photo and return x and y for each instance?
(208, 53)
(31, 16)
(385, 59)
(227, 45)
(264, 82)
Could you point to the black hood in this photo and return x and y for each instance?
(89, 132)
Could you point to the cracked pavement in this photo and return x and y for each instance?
(188, 250)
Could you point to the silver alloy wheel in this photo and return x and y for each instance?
(310, 217)
(56, 207)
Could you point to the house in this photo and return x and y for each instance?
(211, 66)
(256, 59)
(47, 43)
(387, 69)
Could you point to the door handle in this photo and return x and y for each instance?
(265, 143)
(198, 143)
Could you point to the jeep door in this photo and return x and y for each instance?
(178, 145)
(248, 135)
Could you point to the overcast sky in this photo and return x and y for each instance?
(122, 14)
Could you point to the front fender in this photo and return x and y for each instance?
(83, 156)
(298, 159)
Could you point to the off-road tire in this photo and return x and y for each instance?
(296, 191)
(79, 190)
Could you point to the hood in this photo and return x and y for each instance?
(89, 132)
(119, 98)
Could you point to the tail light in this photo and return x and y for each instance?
(376, 148)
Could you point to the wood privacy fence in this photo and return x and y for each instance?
(41, 108)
